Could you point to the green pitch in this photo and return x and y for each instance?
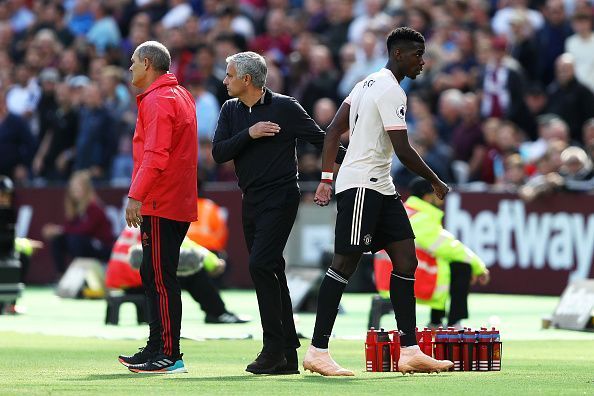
(63, 347)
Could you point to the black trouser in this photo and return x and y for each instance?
(460, 274)
(266, 225)
(202, 291)
(161, 240)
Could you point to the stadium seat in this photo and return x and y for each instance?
(115, 298)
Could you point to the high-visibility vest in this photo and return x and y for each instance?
(119, 273)
(210, 230)
(435, 249)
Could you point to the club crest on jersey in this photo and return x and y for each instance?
(145, 239)
(367, 239)
(401, 111)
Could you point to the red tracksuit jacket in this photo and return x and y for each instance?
(165, 151)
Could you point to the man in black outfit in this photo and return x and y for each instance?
(258, 131)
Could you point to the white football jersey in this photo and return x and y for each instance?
(378, 105)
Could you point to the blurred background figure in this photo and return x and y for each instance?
(210, 230)
(17, 144)
(196, 265)
(568, 98)
(446, 267)
(86, 232)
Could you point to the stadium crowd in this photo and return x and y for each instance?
(505, 100)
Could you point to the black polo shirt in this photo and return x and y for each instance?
(266, 163)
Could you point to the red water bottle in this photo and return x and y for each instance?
(468, 348)
(496, 345)
(371, 350)
(384, 358)
(484, 341)
(427, 342)
(454, 349)
(395, 348)
(441, 339)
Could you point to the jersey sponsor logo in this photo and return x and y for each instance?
(401, 111)
(367, 239)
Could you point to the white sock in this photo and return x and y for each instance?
(321, 349)
(411, 347)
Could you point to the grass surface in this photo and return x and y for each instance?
(70, 365)
(62, 347)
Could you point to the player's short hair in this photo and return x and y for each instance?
(157, 53)
(402, 36)
(252, 64)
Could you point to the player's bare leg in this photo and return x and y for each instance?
(318, 359)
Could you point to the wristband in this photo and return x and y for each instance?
(327, 176)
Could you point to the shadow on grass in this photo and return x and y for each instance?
(248, 377)
(305, 378)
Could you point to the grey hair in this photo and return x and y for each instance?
(252, 64)
(156, 52)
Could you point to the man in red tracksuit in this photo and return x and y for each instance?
(162, 199)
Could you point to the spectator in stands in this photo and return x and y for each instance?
(373, 14)
(522, 46)
(340, 16)
(275, 38)
(86, 232)
(432, 149)
(581, 46)
(535, 98)
(21, 17)
(140, 31)
(323, 112)
(503, 18)
(514, 174)
(179, 13)
(588, 137)
(204, 63)
(81, 18)
(54, 158)
(22, 98)
(370, 57)
(568, 98)
(181, 56)
(53, 18)
(467, 140)
(322, 78)
(550, 39)
(550, 128)
(95, 143)
(449, 113)
(576, 170)
(70, 65)
(17, 144)
(502, 84)
(47, 106)
(207, 106)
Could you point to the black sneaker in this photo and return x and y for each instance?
(142, 356)
(287, 369)
(267, 363)
(160, 364)
(226, 317)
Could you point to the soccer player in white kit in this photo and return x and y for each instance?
(371, 215)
